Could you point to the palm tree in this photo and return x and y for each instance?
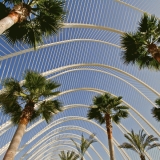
(140, 143)
(70, 155)
(142, 47)
(29, 20)
(156, 111)
(26, 102)
(106, 109)
(84, 145)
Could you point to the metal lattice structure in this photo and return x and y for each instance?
(85, 59)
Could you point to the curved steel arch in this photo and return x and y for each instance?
(98, 91)
(105, 72)
(53, 44)
(7, 125)
(77, 118)
(102, 91)
(64, 146)
(99, 65)
(66, 25)
(64, 128)
(55, 156)
(48, 136)
(69, 143)
(79, 143)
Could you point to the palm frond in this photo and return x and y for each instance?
(45, 19)
(106, 103)
(70, 155)
(94, 113)
(84, 145)
(11, 85)
(152, 146)
(128, 146)
(48, 108)
(76, 145)
(15, 116)
(135, 45)
(157, 101)
(139, 142)
(3, 10)
(9, 108)
(156, 113)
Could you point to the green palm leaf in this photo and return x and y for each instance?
(15, 97)
(84, 144)
(48, 108)
(136, 45)
(45, 18)
(139, 143)
(107, 104)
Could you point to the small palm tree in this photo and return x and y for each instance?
(33, 19)
(142, 47)
(84, 145)
(140, 143)
(70, 155)
(106, 109)
(19, 102)
(156, 111)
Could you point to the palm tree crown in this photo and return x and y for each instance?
(156, 111)
(142, 47)
(18, 99)
(106, 109)
(84, 145)
(25, 102)
(33, 19)
(105, 103)
(140, 143)
(70, 155)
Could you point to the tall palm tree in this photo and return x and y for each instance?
(142, 47)
(29, 20)
(140, 143)
(26, 102)
(106, 109)
(84, 145)
(156, 111)
(70, 155)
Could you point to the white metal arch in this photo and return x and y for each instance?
(8, 124)
(61, 120)
(99, 65)
(56, 43)
(102, 91)
(65, 143)
(105, 72)
(58, 130)
(54, 141)
(66, 146)
(98, 91)
(56, 157)
(70, 25)
(51, 143)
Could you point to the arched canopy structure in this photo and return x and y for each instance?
(85, 58)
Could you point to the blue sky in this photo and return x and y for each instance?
(107, 13)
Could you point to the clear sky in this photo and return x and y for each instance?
(110, 74)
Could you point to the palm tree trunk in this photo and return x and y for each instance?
(15, 142)
(18, 14)
(25, 117)
(155, 52)
(109, 133)
(142, 157)
(8, 21)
